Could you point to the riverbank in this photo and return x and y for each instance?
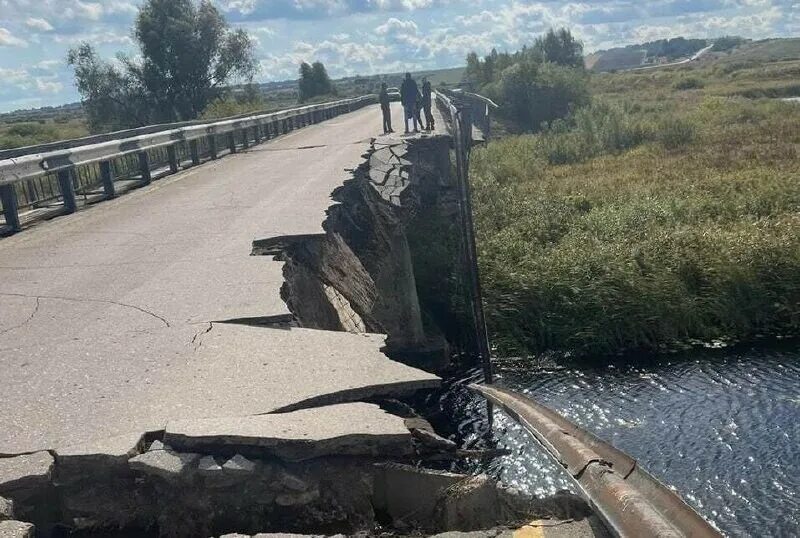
(667, 212)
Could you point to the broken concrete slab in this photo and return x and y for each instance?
(239, 465)
(345, 429)
(140, 381)
(410, 494)
(208, 466)
(16, 529)
(163, 463)
(98, 455)
(22, 476)
(6, 509)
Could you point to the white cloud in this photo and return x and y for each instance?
(38, 24)
(7, 39)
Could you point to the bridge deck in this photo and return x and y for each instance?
(106, 315)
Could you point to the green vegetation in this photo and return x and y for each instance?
(20, 134)
(534, 86)
(657, 215)
(314, 81)
(188, 55)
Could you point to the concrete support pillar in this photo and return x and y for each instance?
(172, 156)
(67, 190)
(107, 177)
(144, 167)
(10, 206)
(245, 139)
(257, 133)
(194, 152)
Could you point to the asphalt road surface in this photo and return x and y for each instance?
(107, 316)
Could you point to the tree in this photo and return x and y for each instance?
(188, 55)
(559, 47)
(314, 81)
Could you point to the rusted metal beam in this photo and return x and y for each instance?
(631, 501)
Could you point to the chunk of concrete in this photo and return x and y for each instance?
(16, 529)
(22, 476)
(239, 465)
(292, 482)
(208, 466)
(96, 458)
(410, 494)
(158, 445)
(346, 429)
(297, 498)
(163, 463)
(6, 509)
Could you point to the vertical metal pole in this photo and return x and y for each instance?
(194, 152)
(232, 141)
(67, 190)
(172, 156)
(212, 145)
(10, 207)
(144, 167)
(107, 177)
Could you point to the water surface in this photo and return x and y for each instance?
(723, 428)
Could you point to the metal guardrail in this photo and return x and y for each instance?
(58, 177)
(481, 109)
(460, 123)
(632, 502)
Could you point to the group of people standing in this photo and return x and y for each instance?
(414, 101)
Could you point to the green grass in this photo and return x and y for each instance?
(659, 215)
(16, 135)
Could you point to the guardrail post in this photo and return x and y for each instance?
(245, 141)
(194, 152)
(107, 177)
(10, 207)
(257, 132)
(67, 190)
(144, 167)
(232, 142)
(212, 146)
(172, 156)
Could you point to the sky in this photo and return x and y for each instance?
(363, 36)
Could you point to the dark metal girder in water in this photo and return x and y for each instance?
(632, 502)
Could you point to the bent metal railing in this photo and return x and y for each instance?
(630, 500)
(57, 180)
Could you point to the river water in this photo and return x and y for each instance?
(721, 427)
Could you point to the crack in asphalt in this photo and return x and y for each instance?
(84, 300)
(28, 320)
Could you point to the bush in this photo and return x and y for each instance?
(675, 132)
(594, 130)
(689, 83)
(533, 95)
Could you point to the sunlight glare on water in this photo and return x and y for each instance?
(722, 429)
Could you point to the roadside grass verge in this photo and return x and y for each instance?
(642, 223)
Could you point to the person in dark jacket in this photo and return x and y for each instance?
(386, 109)
(408, 96)
(426, 104)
